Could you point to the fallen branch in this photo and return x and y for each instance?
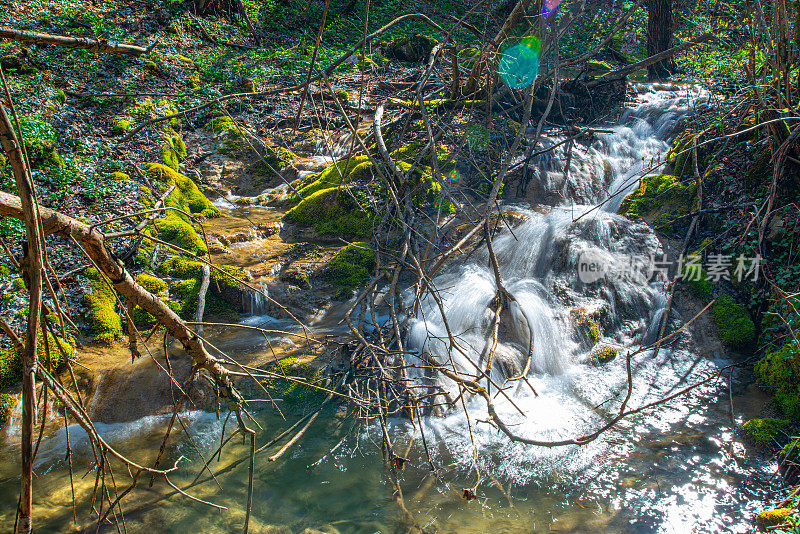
(81, 43)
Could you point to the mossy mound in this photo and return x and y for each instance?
(695, 277)
(224, 293)
(780, 372)
(173, 151)
(412, 48)
(104, 323)
(175, 227)
(735, 326)
(292, 393)
(226, 132)
(602, 354)
(771, 518)
(764, 433)
(658, 195)
(351, 267)
(343, 171)
(424, 189)
(336, 210)
(118, 177)
(11, 358)
(151, 283)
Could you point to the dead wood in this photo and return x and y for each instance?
(99, 46)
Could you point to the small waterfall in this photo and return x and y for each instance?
(570, 318)
(255, 303)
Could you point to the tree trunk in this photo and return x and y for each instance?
(659, 37)
(32, 274)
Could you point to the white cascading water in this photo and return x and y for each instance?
(539, 265)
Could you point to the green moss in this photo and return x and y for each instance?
(121, 126)
(294, 394)
(735, 326)
(343, 171)
(764, 432)
(104, 323)
(780, 372)
(179, 267)
(118, 177)
(659, 193)
(595, 67)
(187, 294)
(351, 267)
(175, 227)
(151, 283)
(178, 146)
(771, 518)
(412, 48)
(680, 154)
(603, 354)
(333, 211)
(695, 277)
(760, 172)
(193, 82)
(586, 324)
(169, 157)
(298, 278)
(11, 358)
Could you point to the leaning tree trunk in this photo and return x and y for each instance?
(32, 274)
(659, 37)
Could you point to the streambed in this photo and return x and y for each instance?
(675, 468)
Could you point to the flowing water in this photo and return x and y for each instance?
(674, 468)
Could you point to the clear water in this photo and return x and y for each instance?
(676, 468)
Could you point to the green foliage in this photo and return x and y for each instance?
(104, 323)
(764, 432)
(735, 326)
(41, 143)
(780, 372)
(351, 267)
(337, 210)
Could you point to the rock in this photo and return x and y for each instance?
(412, 49)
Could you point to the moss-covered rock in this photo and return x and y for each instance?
(764, 433)
(658, 194)
(297, 278)
(771, 518)
(336, 210)
(292, 393)
(224, 291)
(587, 328)
(151, 283)
(343, 171)
(596, 68)
(104, 322)
(11, 358)
(680, 155)
(602, 354)
(120, 126)
(780, 372)
(735, 326)
(118, 177)
(413, 48)
(187, 197)
(351, 267)
(695, 277)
